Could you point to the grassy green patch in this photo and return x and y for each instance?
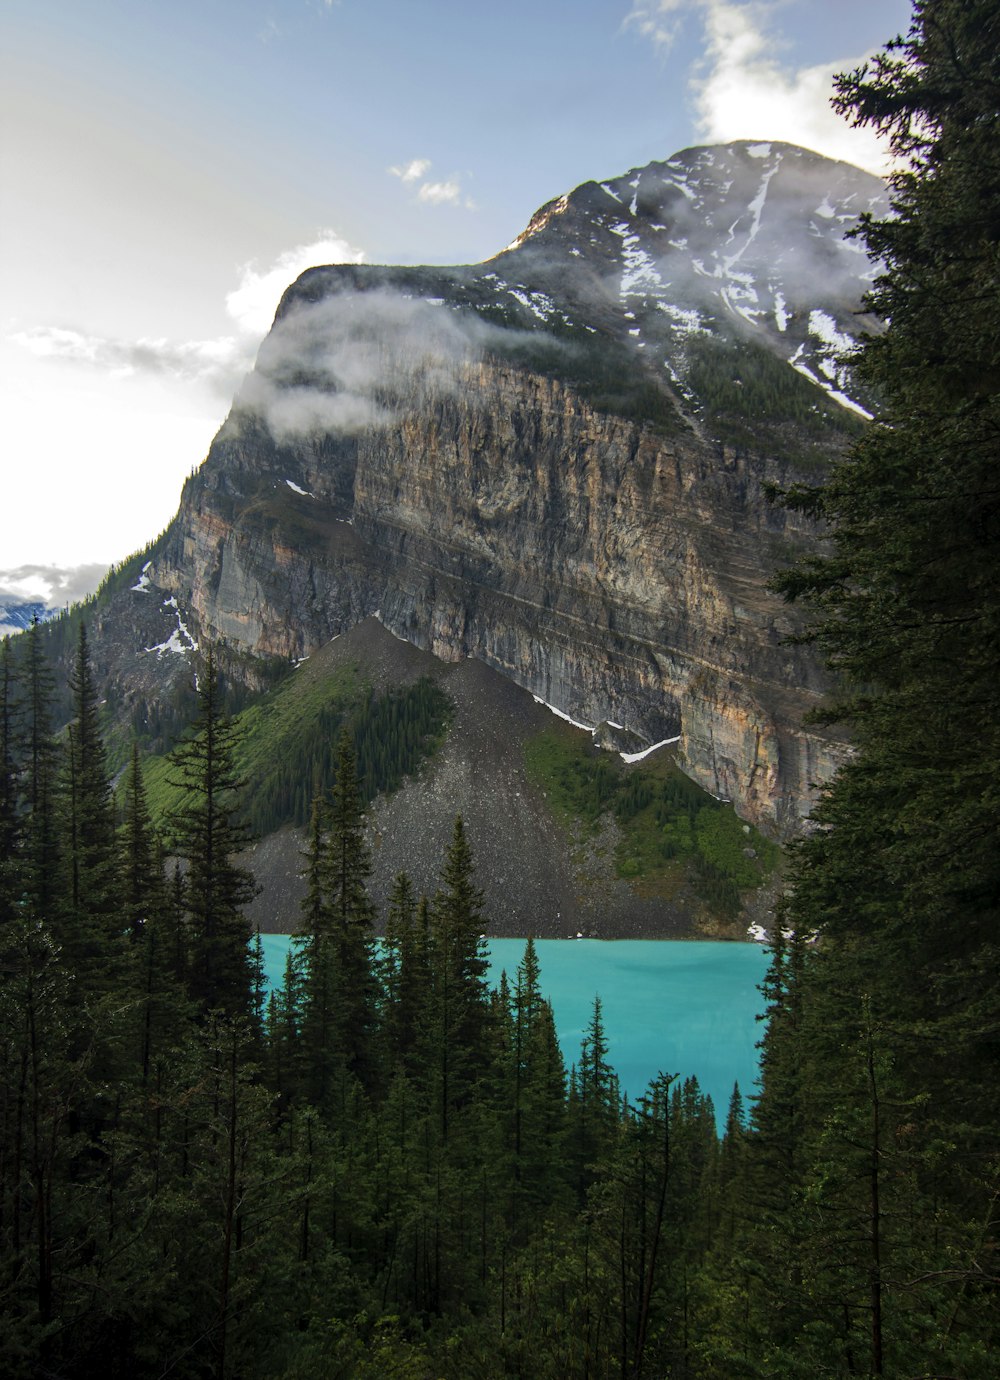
(579, 785)
(671, 831)
(287, 744)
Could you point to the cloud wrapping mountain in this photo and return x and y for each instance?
(555, 462)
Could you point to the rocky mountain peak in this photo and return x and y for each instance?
(746, 238)
(555, 462)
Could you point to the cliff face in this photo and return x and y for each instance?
(556, 462)
(617, 574)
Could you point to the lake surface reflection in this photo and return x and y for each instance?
(669, 1006)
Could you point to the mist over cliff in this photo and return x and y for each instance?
(555, 462)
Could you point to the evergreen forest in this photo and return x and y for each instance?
(383, 1168)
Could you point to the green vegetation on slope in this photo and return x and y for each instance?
(752, 400)
(670, 830)
(746, 396)
(288, 743)
(602, 371)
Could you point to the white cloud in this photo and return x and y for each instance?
(218, 362)
(343, 364)
(412, 171)
(51, 585)
(359, 359)
(441, 193)
(741, 91)
(252, 305)
(445, 192)
(656, 20)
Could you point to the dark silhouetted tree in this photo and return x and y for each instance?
(208, 835)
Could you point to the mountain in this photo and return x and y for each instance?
(556, 462)
(14, 618)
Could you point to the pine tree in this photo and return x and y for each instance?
(41, 844)
(91, 849)
(459, 1014)
(10, 825)
(283, 1029)
(152, 914)
(335, 956)
(594, 1103)
(143, 875)
(405, 978)
(536, 1097)
(208, 836)
(89, 921)
(901, 881)
(314, 902)
(730, 1202)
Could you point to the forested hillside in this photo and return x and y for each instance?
(384, 1169)
(364, 1173)
(874, 1246)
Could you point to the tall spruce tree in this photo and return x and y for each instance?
(460, 1001)
(348, 869)
(152, 916)
(535, 1093)
(901, 881)
(40, 874)
(143, 872)
(208, 835)
(10, 824)
(94, 924)
(405, 978)
(594, 1103)
(335, 956)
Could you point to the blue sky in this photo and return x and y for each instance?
(169, 165)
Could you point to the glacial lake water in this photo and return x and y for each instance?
(669, 1006)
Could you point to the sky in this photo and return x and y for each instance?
(168, 167)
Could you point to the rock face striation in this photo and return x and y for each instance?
(557, 461)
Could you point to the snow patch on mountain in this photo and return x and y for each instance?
(560, 714)
(630, 757)
(684, 320)
(180, 641)
(142, 585)
(539, 303)
(825, 328)
(827, 384)
(639, 273)
(756, 209)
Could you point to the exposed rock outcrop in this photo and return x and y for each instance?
(558, 462)
(615, 573)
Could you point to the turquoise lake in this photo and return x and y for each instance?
(669, 1006)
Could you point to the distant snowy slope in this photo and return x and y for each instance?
(14, 618)
(746, 239)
